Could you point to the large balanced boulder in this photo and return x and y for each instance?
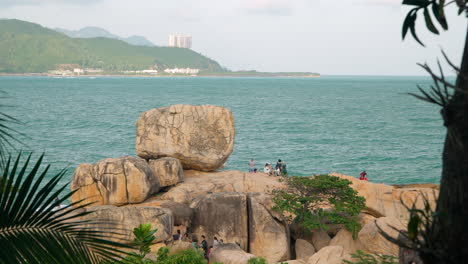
(124, 219)
(373, 241)
(223, 215)
(229, 254)
(268, 230)
(201, 137)
(114, 181)
(169, 171)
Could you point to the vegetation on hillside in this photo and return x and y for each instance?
(319, 201)
(27, 47)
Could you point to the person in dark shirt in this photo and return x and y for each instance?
(279, 167)
(204, 245)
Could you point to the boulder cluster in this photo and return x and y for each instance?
(173, 185)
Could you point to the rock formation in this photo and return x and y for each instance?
(374, 242)
(268, 230)
(304, 249)
(230, 254)
(124, 219)
(114, 181)
(201, 137)
(232, 205)
(169, 171)
(222, 215)
(328, 255)
(384, 200)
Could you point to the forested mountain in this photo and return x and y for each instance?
(27, 47)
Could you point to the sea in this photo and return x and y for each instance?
(342, 124)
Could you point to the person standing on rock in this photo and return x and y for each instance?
(251, 165)
(204, 245)
(215, 242)
(279, 167)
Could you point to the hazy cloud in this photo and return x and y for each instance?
(268, 7)
(44, 2)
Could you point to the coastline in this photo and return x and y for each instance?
(153, 76)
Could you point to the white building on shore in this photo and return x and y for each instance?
(180, 41)
(189, 71)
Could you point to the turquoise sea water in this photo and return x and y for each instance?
(316, 125)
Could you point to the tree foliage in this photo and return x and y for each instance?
(360, 257)
(315, 202)
(439, 236)
(436, 7)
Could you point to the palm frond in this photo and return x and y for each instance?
(8, 135)
(33, 230)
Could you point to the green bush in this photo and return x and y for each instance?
(257, 260)
(306, 197)
(363, 258)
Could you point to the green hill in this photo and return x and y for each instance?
(27, 47)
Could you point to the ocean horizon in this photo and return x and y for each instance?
(316, 125)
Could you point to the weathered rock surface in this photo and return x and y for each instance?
(304, 249)
(374, 242)
(178, 246)
(201, 137)
(169, 171)
(230, 254)
(223, 215)
(269, 234)
(328, 255)
(384, 200)
(197, 183)
(320, 239)
(294, 261)
(114, 181)
(344, 238)
(115, 219)
(182, 213)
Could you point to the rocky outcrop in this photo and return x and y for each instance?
(169, 171)
(201, 137)
(197, 183)
(124, 219)
(294, 261)
(320, 239)
(114, 181)
(268, 230)
(229, 254)
(374, 242)
(328, 255)
(223, 215)
(344, 238)
(384, 200)
(304, 249)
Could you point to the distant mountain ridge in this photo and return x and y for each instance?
(96, 32)
(30, 48)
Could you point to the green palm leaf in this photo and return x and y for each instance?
(33, 230)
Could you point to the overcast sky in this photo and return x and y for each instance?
(345, 37)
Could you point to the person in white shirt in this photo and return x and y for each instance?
(267, 168)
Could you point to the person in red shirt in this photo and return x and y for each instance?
(363, 176)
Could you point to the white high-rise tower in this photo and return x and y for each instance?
(180, 41)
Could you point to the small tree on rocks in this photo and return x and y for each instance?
(318, 201)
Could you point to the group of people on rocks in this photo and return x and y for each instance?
(196, 244)
(280, 168)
